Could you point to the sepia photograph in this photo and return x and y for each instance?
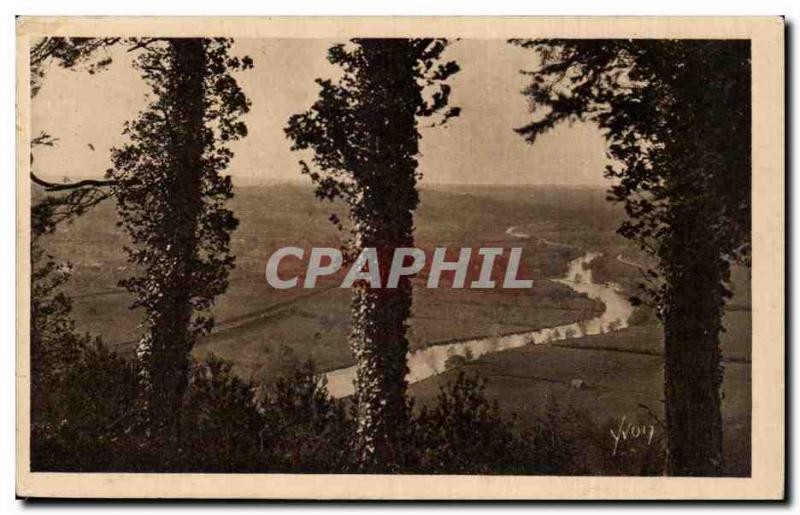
(420, 258)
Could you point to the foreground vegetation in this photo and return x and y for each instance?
(229, 425)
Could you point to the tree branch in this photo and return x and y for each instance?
(53, 186)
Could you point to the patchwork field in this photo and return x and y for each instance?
(266, 332)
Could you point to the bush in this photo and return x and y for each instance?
(227, 425)
(463, 433)
(221, 423)
(96, 403)
(306, 430)
(455, 361)
(554, 444)
(292, 425)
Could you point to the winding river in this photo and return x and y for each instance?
(429, 361)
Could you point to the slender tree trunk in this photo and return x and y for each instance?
(171, 338)
(693, 369)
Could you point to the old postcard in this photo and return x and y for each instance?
(400, 258)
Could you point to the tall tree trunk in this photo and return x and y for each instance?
(363, 131)
(385, 218)
(171, 339)
(693, 368)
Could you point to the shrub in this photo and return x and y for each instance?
(306, 430)
(554, 444)
(95, 417)
(221, 423)
(464, 433)
(292, 425)
(454, 361)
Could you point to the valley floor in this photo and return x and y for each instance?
(623, 385)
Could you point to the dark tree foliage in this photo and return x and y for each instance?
(171, 196)
(64, 364)
(305, 428)
(364, 133)
(198, 104)
(462, 432)
(96, 412)
(223, 424)
(55, 346)
(68, 53)
(676, 115)
(293, 425)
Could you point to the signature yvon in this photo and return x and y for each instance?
(631, 431)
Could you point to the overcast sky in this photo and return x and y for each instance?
(479, 147)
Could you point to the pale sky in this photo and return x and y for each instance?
(478, 147)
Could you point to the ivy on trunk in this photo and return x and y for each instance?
(171, 197)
